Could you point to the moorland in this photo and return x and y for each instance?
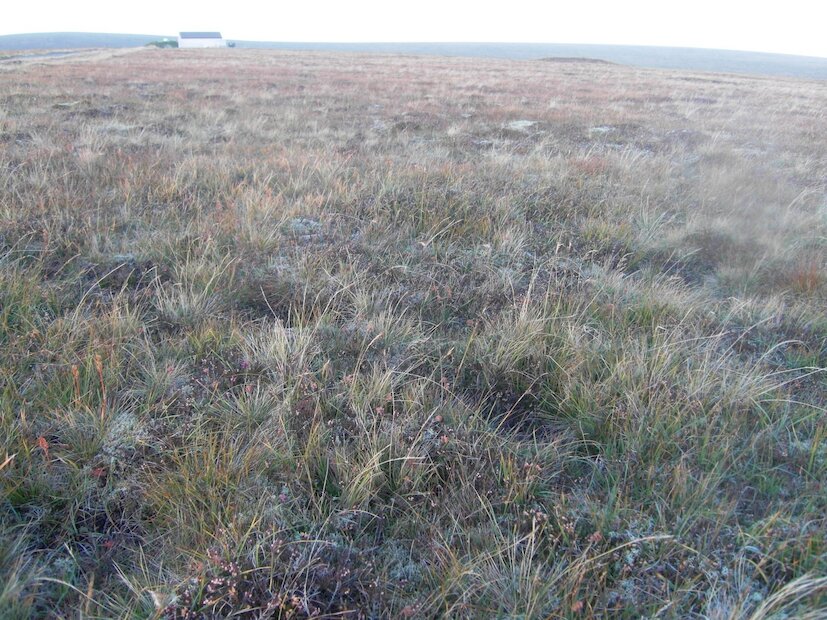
(295, 334)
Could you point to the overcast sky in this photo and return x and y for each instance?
(791, 26)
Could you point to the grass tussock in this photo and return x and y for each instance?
(312, 336)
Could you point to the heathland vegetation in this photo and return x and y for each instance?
(681, 58)
(311, 335)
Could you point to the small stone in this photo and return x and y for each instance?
(520, 125)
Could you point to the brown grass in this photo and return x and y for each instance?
(312, 335)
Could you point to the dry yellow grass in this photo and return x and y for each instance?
(311, 335)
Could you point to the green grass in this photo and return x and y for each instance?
(299, 335)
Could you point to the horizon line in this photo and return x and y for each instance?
(421, 42)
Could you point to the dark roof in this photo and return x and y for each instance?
(200, 35)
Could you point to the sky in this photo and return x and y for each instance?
(788, 27)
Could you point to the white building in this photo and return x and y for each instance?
(201, 39)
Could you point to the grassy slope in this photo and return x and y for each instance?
(335, 334)
(682, 58)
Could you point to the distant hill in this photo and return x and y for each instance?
(73, 40)
(691, 59)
